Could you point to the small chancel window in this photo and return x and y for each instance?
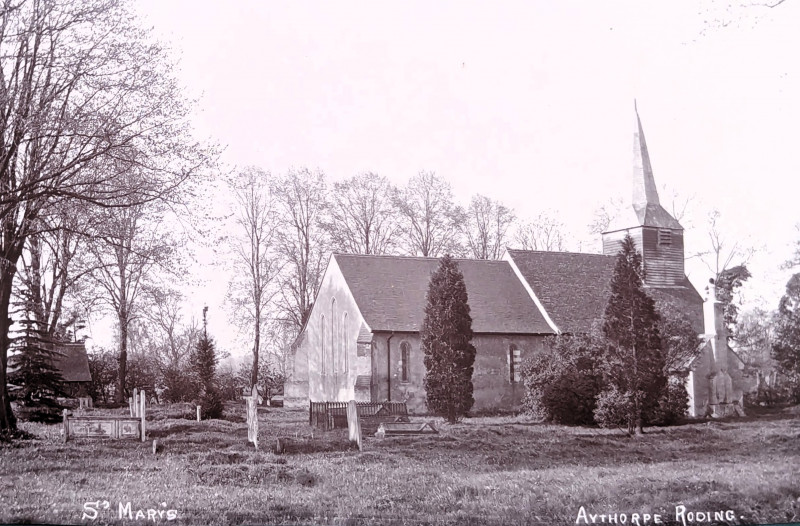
(323, 344)
(345, 350)
(664, 237)
(514, 363)
(405, 352)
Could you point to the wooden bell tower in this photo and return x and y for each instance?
(657, 235)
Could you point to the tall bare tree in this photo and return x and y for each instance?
(486, 227)
(131, 250)
(162, 335)
(726, 260)
(754, 337)
(84, 95)
(302, 242)
(362, 217)
(52, 270)
(545, 232)
(719, 14)
(169, 336)
(429, 219)
(605, 214)
(256, 263)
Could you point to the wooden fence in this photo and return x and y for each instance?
(333, 415)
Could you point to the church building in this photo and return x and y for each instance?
(362, 339)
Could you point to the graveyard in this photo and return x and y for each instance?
(482, 470)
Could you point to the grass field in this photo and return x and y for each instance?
(489, 470)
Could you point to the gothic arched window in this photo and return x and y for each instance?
(334, 351)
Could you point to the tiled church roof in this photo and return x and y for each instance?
(574, 288)
(390, 292)
(684, 298)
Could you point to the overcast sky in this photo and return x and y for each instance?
(528, 102)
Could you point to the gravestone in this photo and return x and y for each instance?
(134, 402)
(142, 411)
(252, 417)
(353, 425)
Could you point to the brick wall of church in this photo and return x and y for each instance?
(492, 381)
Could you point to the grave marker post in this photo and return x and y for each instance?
(135, 402)
(353, 425)
(143, 399)
(66, 426)
(252, 416)
(198, 413)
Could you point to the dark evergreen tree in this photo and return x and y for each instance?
(562, 382)
(33, 376)
(204, 365)
(679, 339)
(679, 342)
(634, 360)
(446, 341)
(786, 347)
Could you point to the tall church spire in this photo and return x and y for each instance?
(644, 185)
(658, 236)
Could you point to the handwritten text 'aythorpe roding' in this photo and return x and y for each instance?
(125, 510)
(641, 519)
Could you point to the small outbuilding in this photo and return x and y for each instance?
(72, 362)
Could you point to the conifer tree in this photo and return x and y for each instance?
(32, 370)
(634, 360)
(204, 365)
(446, 341)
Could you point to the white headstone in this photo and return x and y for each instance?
(142, 411)
(252, 417)
(353, 425)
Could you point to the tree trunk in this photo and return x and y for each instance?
(8, 422)
(123, 356)
(256, 344)
(122, 315)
